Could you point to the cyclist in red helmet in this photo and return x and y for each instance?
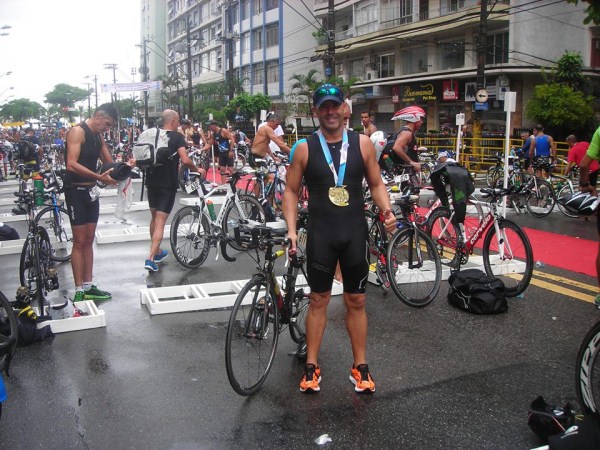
(406, 146)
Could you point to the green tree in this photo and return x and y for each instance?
(561, 109)
(246, 107)
(65, 96)
(569, 70)
(303, 87)
(128, 107)
(210, 99)
(21, 109)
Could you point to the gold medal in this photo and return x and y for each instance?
(339, 196)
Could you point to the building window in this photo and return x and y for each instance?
(257, 7)
(272, 71)
(396, 12)
(385, 65)
(272, 4)
(204, 63)
(272, 35)
(357, 68)
(366, 17)
(212, 61)
(496, 48)
(245, 76)
(451, 55)
(414, 60)
(235, 14)
(244, 9)
(257, 39)
(258, 73)
(219, 61)
(245, 42)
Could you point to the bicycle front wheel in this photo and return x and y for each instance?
(252, 336)
(250, 211)
(29, 269)
(587, 376)
(190, 237)
(8, 333)
(541, 202)
(565, 190)
(445, 235)
(55, 219)
(508, 256)
(414, 267)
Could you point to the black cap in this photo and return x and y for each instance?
(328, 92)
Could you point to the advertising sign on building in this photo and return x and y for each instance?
(419, 93)
(470, 91)
(450, 90)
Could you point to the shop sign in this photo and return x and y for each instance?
(418, 92)
(396, 94)
(481, 106)
(470, 91)
(450, 90)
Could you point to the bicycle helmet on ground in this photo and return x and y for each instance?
(410, 114)
(379, 141)
(582, 203)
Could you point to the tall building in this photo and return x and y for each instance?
(439, 53)
(259, 44)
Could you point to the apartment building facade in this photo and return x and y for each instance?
(425, 52)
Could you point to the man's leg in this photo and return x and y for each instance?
(88, 252)
(356, 324)
(77, 254)
(158, 222)
(316, 321)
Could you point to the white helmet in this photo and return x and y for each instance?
(583, 203)
(410, 114)
(379, 141)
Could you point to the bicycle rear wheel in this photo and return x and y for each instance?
(190, 237)
(587, 372)
(299, 309)
(508, 256)
(8, 333)
(250, 211)
(414, 267)
(377, 240)
(28, 267)
(541, 203)
(445, 236)
(494, 174)
(565, 190)
(55, 219)
(252, 336)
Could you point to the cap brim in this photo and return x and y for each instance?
(326, 98)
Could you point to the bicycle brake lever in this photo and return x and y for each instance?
(287, 257)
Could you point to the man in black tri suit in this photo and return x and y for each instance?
(84, 146)
(333, 162)
(223, 143)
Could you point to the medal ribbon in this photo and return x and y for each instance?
(338, 178)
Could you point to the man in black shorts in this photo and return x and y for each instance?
(84, 145)
(333, 162)
(162, 183)
(223, 142)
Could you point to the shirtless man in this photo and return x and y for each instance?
(264, 135)
(366, 118)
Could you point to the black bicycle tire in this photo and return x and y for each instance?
(524, 283)
(64, 212)
(425, 174)
(375, 231)
(552, 195)
(243, 198)
(233, 379)
(427, 298)
(298, 313)
(562, 208)
(174, 237)
(8, 343)
(584, 373)
(278, 185)
(493, 174)
(442, 244)
(181, 179)
(42, 263)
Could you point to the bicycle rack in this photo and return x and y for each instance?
(126, 234)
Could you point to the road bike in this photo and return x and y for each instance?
(587, 372)
(55, 219)
(263, 309)
(8, 333)
(506, 250)
(200, 159)
(269, 194)
(196, 228)
(36, 275)
(563, 185)
(409, 262)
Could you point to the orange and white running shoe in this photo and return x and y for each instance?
(311, 379)
(361, 378)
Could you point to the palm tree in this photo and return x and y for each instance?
(305, 86)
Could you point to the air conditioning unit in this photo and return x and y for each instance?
(371, 74)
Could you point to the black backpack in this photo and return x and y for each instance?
(26, 150)
(476, 292)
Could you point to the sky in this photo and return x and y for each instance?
(59, 41)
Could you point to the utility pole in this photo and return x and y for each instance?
(189, 71)
(481, 56)
(96, 89)
(330, 59)
(114, 69)
(145, 74)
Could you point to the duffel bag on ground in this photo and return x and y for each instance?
(476, 292)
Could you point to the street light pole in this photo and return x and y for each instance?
(114, 69)
(189, 72)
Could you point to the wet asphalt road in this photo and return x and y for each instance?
(445, 379)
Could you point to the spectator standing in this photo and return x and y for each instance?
(577, 151)
(162, 183)
(366, 118)
(543, 146)
(84, 146)
(223, 143)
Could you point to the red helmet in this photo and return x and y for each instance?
(410, 114)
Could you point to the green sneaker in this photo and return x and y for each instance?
(94, 293)
(79, 297)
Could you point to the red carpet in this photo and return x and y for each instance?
(566, 252)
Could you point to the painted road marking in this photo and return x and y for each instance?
(563, 290)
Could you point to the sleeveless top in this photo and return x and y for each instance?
(411, 148)
(221, 142)
(542, 146)
(319, 179)
(88, 157)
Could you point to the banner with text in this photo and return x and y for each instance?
(131, 87)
